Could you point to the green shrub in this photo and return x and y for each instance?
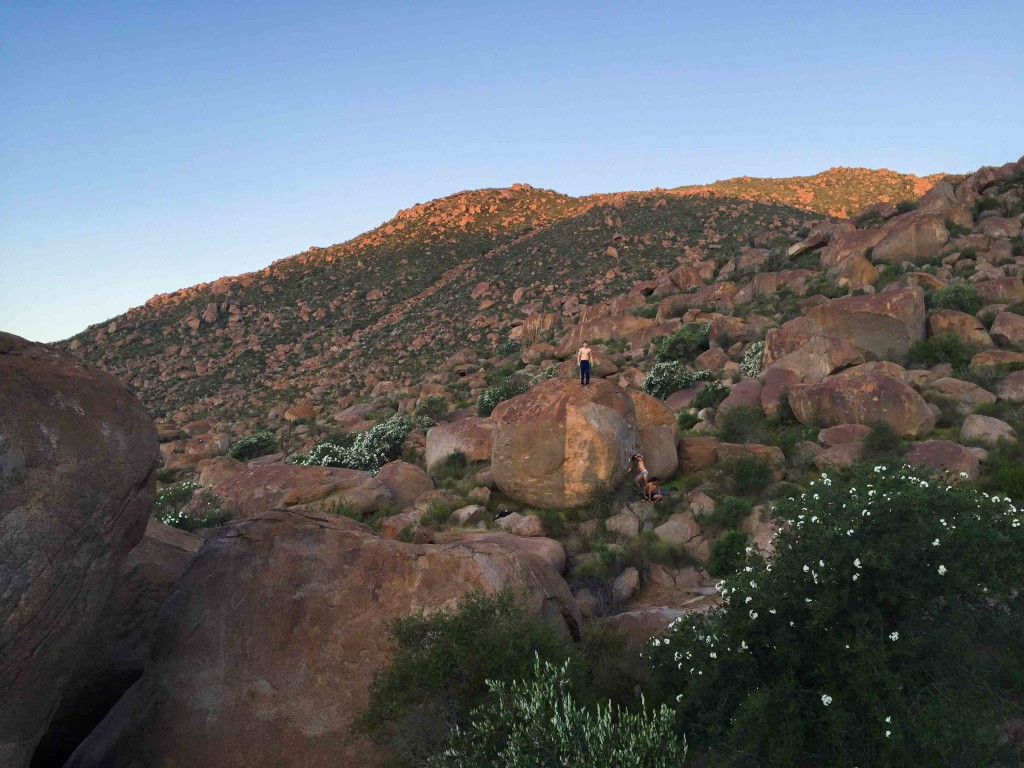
(906, 206)
(439, 669)
(956, 230)
(728, 554)
(455, 467)
(710, 396)
(882, 443)
(499, 393)
(641, 553)
(686, 420)
(647, 310)
(684, 344)
(753, 360)
(203, 511)
(665, 378)
(259, 443)
(730, 512)
(885, 631)
(1003, 471)
(433, 407)
(746, 476)
(944, 348)
(537, 721)
(742, 424)
(963, 297)
(369, 450)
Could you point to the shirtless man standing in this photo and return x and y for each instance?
(583, 357)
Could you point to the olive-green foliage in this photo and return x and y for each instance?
(882, 444)
(684, 344)
(641, 553)
(178, 506)
(257, 444)
(884, 631)
(746, 476)
(647, 310)
(504, 390)
(454, 467)
(686, 420)
(439, 670)
(963, 297)
(1003, 471)
(433, 407)
(538, 721)
(728, 554)
(743, 424)
(943, 348)
(710, 396)
(616, 669)
(730, 512)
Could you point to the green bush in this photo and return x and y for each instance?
(439, 669)
(710, 396)
(686, 420)
(684, 344)
(647, 310)
(730, 512)
(944, 348)
(742, 424)
(963, 297)
(203, 512)
(665, 378)
(885, 631)
(746, 476)
(1003, 471)
(433, 407)
(882, 443)
(499, 393)
(753, 360)
(906, 206)
(728, 554)
(537, 721)
(259, 443)
(369, 450)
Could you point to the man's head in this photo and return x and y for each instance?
(585, 342)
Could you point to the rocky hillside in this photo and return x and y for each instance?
(838, 192)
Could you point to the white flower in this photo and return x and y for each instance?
(888, 734)
(894, 636)
(850, 532)
(856, 576)
(826, 699)
(935, 543)
(753, 614)
(748, 599)
(806, 568)
(942, 570)
(888, 719)
(713, 655)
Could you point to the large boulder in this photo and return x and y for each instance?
(657, 432)
(913, 237)
(560, 443)
(800, 346)
(406, 482)
(473, 437)
(116, 654)
(267, 647)
(78, 455)
(884, 324)
(954, 458)
(967, 327)
(861, 400)
(261, 489)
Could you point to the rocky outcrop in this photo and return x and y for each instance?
(861, 400)
(406, 482)
(268, 644)
(261, 489)
(473, 437)
(559, 443)
(77, 460)
(656, 434)
(884, 325)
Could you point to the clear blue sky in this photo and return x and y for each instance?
(147, 146)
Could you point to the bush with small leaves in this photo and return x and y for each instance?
(433, 407)
(963, 297)
(746, 476)
(884, 631)
(369, 450)
(753, 360)
(684, 344)
(730, 512)
(710, 396)
(665, 378)
(537, 721)
(257, 444)
(499, 393)
(943, 348)
(728, 554)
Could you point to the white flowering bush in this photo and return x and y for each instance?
(753, 360)
(538, 722)
(886, 631)
(257, 444)
(507, 389)
(665, 378)
(178, 506)
(368, 450)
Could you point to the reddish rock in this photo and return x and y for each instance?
(259, 490)
(657, 432)
(608, 328)
(1012, 387)
(1006, 290)
(639, 626)
(884, 324)
(560, 443)
(945, 455)
(861, 400)
(549, 550)
(1008, 329)
(849, 245)
(406, 482)
(842, 434)
(300, 412)
(801, 346)
(521, 525)
(777, 381)
(912, 237)
(839, 456)
(682, 398)
(966, 394)
(697, 453)
(746, 392)
(213, 471)
(472, 437)
(960, 324)
(77, 459)
(770, 454)
(993, 358)
(679, 530)
(986, 430)
(711, 360)
(271, 639)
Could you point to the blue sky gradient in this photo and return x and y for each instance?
(147, 146)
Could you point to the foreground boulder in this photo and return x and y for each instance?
(875, 396)
(115, 656)
(77, 461)
(268, 645)
(261, 489)
(560, 443)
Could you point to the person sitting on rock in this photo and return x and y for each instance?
(583, 357)
(641, 479)
(652, 492)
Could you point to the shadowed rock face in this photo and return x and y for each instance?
(267, 646)
(77, 460)
(559, 443)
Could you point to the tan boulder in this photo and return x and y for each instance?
(711, 360)
(912, 237)
(839, 456)
(560, 443)
(777, 381)
(697, 453)
(521, 525)
(966, 394)
(746, 392)
(1006, 290)
(945, 455)
(960, 324)
(473, 437)
(213, 471)
(849, 245)
(993, 358)
(843, 434)
(607, 328)
(406, 482)
(800, 346)
(639, 626)
(998, 226)
(1012, 387)
(625, 524)
(986, 430)
(657, 432)
(272, 638)
(680, 529)
(549, 550)
(1008, 329)
(861, 400)
(884, 324)
(78, 455)
(259, 490)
